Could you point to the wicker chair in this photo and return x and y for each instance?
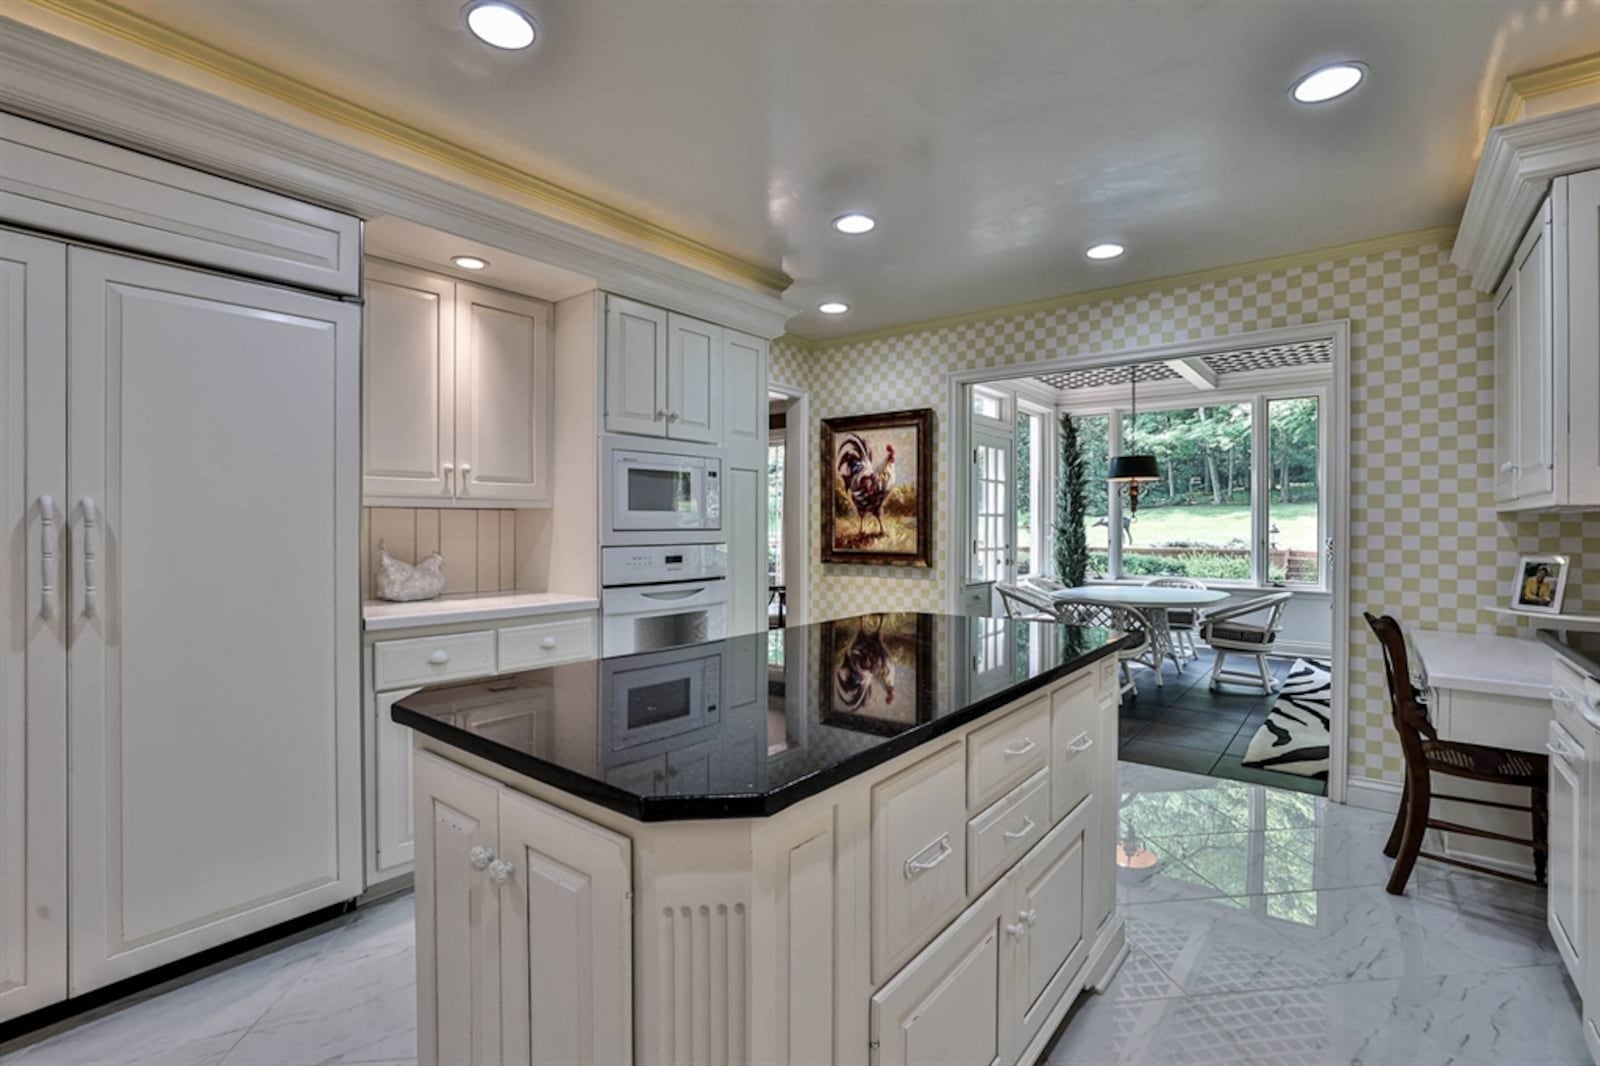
(1426, 755)
(1026, 603)
(1182, 622)
(1128, 620)
(1042, 583)
(1227, 635)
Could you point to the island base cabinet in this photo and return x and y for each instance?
(524, 929)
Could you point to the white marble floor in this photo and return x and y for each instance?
(1264, 937)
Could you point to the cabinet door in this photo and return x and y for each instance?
(215, 756)
(408, 386)
(458, 915)
(1577, 292)
(1505, 390)
(694, 380)
(393, 813)
(695, 769)
(1565, 897)
(566, 938)
(1535, 362)
(947, 1004)
(503, 397)
(636, 368)
(33, 680)
(744, 401)
(1052, 888)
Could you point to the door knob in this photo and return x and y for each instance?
(499, 871)
(480, 857)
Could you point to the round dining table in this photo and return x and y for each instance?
(1152, 601)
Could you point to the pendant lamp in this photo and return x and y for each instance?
(1133, 469)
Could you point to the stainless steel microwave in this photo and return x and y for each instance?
(662, 492)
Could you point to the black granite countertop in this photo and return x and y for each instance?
(744, 727)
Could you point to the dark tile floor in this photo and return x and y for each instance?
(1183, 725)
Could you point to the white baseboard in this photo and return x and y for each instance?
(1372, 793)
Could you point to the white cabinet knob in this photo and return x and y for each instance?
(1017, 931)
(548, 643)
(439, 657)
(499, 871)
(480, 857)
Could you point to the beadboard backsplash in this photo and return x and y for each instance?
(479, 546)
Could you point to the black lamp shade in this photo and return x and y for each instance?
(1133, 468)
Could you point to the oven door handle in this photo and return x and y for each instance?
(675, 594)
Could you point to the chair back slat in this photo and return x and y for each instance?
(1406, 705)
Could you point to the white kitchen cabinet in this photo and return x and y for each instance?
(1052, 892)
(663, 373)
(504, 402)
(1547, 356)
(1567, 818)
(457, 395)
(33, 646)
(948, 1004)
(212, 766)
(694, 380)
(393, 822)
(744, 418)
(524, 927)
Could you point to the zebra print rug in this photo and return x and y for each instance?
(1294, 738)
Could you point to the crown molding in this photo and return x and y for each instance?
(1555, 78)
(1513, 177)
(55, 80)
(185, 50)
(1370, 246)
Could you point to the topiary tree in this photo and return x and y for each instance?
(1072, 543)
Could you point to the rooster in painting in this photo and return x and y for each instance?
(867, 483)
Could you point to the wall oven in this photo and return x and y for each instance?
(649, 492)
(662, 597)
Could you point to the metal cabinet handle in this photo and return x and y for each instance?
(439, 657)
(91, 557)
(1026, 746)
(1559, 749)
(500, 871)
(464, 486)
(1508, 467)
(1028, 826)
(47, 558)
(547, 643)
(914, 867)
(1081, 743)
(448, 471)
(480, 857)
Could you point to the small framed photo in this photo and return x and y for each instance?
(1541, 583)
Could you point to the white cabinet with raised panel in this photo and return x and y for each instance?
(524, 927)
(663, 373)
(1547, 356)
(457, 397)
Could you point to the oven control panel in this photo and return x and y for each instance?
(656, 565)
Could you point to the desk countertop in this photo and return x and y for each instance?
(488, 607)
(1494, 665)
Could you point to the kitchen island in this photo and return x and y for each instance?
(883, 839)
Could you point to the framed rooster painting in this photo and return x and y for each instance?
(877, 489)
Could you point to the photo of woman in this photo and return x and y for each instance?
(1541, 582)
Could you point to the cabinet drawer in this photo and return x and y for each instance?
(1000, 836)
(559, 640)
(1002, 755)
(1110, 687)
(918, 856)
(1074, 739)
(430, 660)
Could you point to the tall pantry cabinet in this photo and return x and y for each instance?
(179, 700)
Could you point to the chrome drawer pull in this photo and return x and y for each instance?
(1028, 826)
(91, 551)
(914, 867)
(47, 558)
(1026, 746)
(1081, 743)
(1561, 695)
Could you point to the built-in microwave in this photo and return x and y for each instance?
(662, 492)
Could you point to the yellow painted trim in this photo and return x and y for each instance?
(136, 29)
(1371, 246)
(1556, 78)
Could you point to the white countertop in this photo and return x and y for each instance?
(1494, 665)
(381, 614)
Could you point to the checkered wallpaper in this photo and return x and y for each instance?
(1426, 542)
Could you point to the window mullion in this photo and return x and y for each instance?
(1114, 508)
(1260, 489)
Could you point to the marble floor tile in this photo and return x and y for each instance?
(1169, 1032)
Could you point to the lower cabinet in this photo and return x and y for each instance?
(524, 927)
(392, 820)
(986, 985)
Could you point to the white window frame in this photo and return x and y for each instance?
(1043, 475)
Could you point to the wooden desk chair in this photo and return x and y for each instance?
(1427, 755)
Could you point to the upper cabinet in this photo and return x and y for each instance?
(1547, 356)
(663, 373)
(457, 393)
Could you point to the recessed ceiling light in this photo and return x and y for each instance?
(855, 222)
(833, 307)
(501, 25)
(1108, 250)
(1327, 83)
(469, 262)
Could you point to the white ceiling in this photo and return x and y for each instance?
(994, 139)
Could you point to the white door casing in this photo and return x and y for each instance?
(33, 572)
(188, 827)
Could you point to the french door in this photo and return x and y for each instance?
(990, 500)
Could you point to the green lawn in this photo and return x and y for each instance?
(1154, 526)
